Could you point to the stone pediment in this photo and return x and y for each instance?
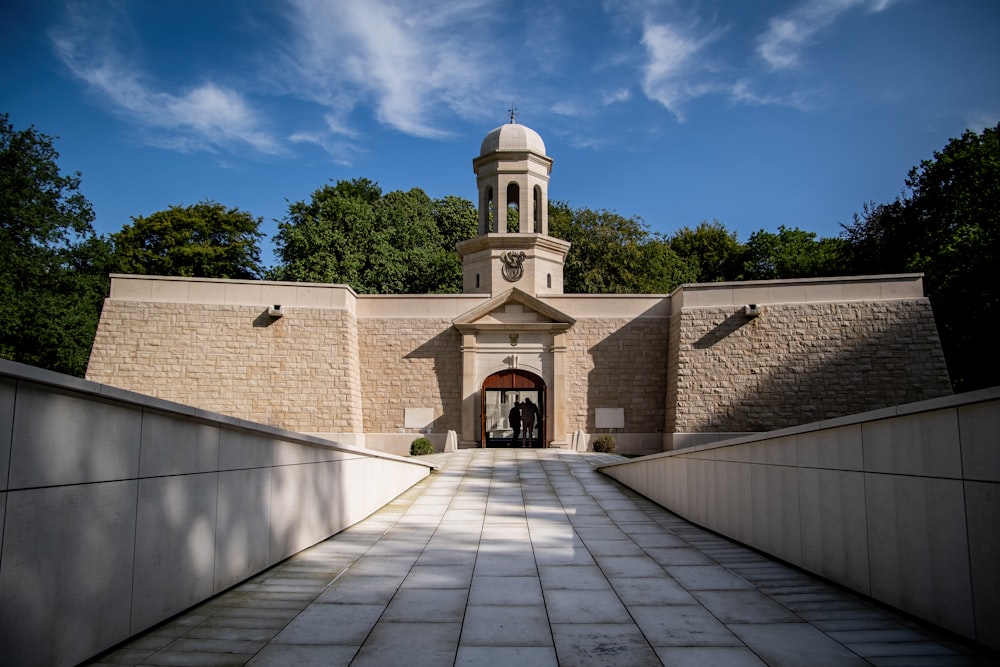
(514, 309)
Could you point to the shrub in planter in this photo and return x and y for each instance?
(421, 446)
(606, 444)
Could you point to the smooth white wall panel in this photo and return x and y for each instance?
(66, 439)
(66, 572)
(900, 503)
(834, 526)
(302, 507)
(835, 448)
(918, 548)
(775, 498)
(7, 389)
(172, 446)
(982, 502)
(979, 427)
(242, 540)
(243, 449)
(919, 444)
(131, 521)
(175, 546)
(735, 511)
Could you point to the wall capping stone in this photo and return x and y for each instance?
(40, 376)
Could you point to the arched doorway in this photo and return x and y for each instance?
(499, 393)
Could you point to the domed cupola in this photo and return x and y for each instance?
(512, 172)
(512, 137)
(513, 248)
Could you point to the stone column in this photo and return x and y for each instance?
(526, 213)
(558, 397)
(470, 392)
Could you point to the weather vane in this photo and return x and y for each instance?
(512, 111)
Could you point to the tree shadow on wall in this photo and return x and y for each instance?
(630, 372)
(434, 368)
(764, 373)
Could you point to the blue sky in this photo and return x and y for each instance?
(758, 114)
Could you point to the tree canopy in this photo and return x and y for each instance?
(396, 243)
(714, 251)
(205, 240)
(947, 226)
(791, 253)
(613, 254)
(53, 276)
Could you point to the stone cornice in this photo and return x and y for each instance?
(470, 322)
(514, 241)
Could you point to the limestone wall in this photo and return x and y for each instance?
(673, 366)
(299, 372)
(617, 363)
(685, 368)
(410, 362)
(798, 363)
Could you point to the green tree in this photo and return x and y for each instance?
(791, 253)
(712, 248)
(397, 243)
(53, 274)
(613, 254)
(328, 239)
(205, 240)
(948, 227)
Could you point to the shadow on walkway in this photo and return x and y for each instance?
(531, 557)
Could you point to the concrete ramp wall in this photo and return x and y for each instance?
(119, 510)
(901, 504)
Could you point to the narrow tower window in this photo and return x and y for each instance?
(537, 210)
(513, 212)
(489, 205)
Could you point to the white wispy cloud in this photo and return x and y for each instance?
(980, 120)
(673, 71)
(204, 116)
(744, 92)
(337, 139)
(409, 63)
(616, 96)
(788, 34)
(688, 54)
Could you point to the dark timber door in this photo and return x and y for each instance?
(499, 393)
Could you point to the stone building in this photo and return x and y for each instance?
(657, 371)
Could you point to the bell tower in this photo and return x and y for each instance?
(513, 247)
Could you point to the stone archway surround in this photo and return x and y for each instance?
(514, 331)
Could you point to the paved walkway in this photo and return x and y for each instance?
(531, 557)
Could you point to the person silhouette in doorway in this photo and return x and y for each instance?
(529, 411)
(514, 417)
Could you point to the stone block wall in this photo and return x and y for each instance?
(410, 363)
(300, 372)
(798, 363)
(617, 363)
(673, 367)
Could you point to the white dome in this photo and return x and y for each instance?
(512, 137)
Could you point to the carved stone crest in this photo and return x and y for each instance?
(513, 265)
(513, 340)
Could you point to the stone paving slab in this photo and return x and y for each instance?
(533, 558)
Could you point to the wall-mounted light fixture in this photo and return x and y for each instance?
(275, 310)
(751, 310)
